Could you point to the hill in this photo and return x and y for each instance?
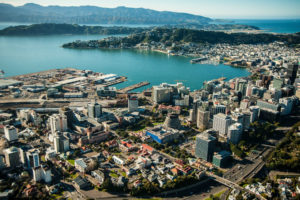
(169, 36)
(34, 13)
(57, 29)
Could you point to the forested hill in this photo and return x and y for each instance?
(170, 36)
(34, 13)
(58, 29)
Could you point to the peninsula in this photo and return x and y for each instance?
(75, 29)
(206, 46)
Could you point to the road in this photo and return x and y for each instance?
(234, 185)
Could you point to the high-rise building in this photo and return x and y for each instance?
(12, 157)
(247, 120)
(94, 110)
(254, 112)
(10, 133)
(61, 143)
(203, 119)
(292, 69)
(42, 173)
(161, 94)
(221, 159)
(133, 104)
(58, 123)
(33, 158)
(235, 133)
(205, 145)
(65, 111)
(286, 105)
(278, 83)
(221, 122)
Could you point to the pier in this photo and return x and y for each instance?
(117, 81)
(132, 87)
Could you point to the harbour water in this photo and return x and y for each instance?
(20, 55)
(275, 26)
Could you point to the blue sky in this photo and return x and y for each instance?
(247, 9)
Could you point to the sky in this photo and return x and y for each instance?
(229, 9)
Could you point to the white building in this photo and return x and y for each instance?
(118, 160)
(58, 123)
(10, 133)
(161, 94)
(254, 110)
(42, 173)
(97, 174)
(133, 104)
(12, 157)
(235, 133)
(61, 143)
(80, 165)
(221, 123)
(94, 110)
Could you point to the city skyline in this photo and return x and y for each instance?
(231, 9)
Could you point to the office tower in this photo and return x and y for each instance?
(12, 157)
(292, 69)
(10, 133)
(247, 120)
(65, 111)
(235, 133)
(61, 143)
(254, 111)
(161, 94)
(133, 104)
(94, 110)
(33, 158)
(58, 123)
(221, 122)
(42, 173)
(205, 145)
(203, 118)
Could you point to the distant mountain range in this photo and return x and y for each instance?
(34, 13)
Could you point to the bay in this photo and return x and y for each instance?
(21, 55)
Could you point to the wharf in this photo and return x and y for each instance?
(117, 81)
(220, 79)
(132, 87)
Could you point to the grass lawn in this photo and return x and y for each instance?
(122, 173)
(72, 162)
(114, 175)
(73, 176)
(56, 196)
(218, 195)
(43, 159)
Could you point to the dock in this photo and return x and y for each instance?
(117, 81)
(219, 79)
(132, 87)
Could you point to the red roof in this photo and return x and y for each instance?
(147, 147)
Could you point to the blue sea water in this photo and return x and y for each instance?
(20, 55)
(275, 26)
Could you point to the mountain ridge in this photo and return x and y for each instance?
(36, 13)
